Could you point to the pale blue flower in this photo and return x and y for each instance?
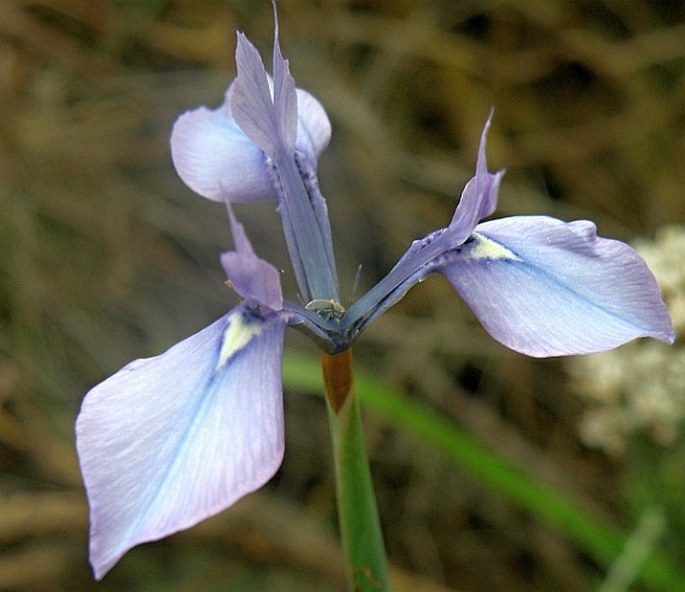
(171, 440)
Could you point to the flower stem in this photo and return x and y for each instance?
(357, 513)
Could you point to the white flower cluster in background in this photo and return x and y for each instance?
(639, 388)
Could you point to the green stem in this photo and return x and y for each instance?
(357, 513)
(556, 509)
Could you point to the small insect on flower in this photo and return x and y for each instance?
(328, 309)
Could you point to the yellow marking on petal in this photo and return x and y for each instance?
(237, 335)
(485, 248)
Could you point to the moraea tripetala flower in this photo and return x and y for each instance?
(171, 440)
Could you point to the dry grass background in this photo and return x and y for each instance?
(106, 256)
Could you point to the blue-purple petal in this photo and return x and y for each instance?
(479, 197)
(265, 118)
(214, 157)
(251, 276)
(548, 288)
(313, 129)
(284, 95)
(171, 440)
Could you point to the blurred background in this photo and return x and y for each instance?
(105, 256)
